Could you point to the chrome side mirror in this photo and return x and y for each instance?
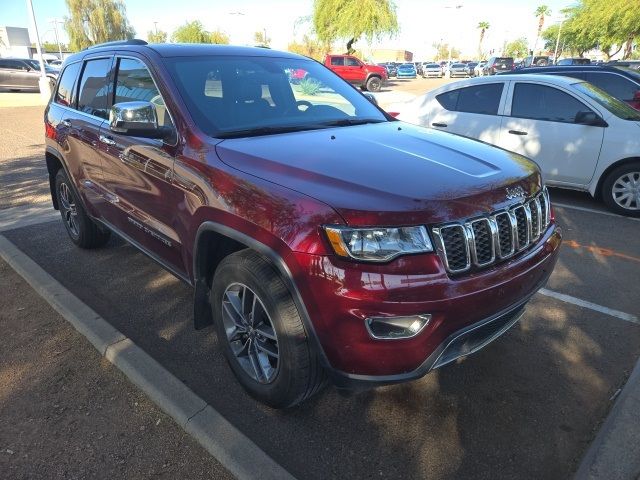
(138, 119)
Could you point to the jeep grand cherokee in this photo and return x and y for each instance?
(323, 239)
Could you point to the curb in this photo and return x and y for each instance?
(236, 452)
(615, 452)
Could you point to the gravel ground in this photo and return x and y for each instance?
(65, 412)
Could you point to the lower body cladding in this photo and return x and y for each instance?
(438, 317)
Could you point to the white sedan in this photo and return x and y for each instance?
(581, 137)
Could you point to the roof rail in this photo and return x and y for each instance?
(133, 41)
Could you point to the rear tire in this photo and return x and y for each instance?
(621, 190)
(264, 340)
(374, 84)
(83, 231)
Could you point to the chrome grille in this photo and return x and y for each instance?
(482, 241)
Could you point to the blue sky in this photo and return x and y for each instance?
(422, 22)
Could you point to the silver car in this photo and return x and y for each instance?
(431, 70)
(19, 74)
(458, 70)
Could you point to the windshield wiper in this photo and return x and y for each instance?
(267, 130)
(347, 122)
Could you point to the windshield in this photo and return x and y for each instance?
(432, 65)
(238, 96)
(615, 106)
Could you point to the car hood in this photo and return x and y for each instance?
(390, 173)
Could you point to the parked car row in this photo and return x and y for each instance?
(24, 73)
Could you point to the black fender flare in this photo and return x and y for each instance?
(52, 179)
(202, 307)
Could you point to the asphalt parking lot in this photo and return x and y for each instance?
(527, 406)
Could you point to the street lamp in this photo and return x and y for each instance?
(555, 53)
(43, 81)
(55, 22)
(456, 7)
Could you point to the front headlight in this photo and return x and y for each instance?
(378, 244)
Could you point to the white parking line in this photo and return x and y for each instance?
(592, 210)
(235, 451)
(591, 306)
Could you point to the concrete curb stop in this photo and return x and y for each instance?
(236, 452)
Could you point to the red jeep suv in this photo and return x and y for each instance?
(323, 238)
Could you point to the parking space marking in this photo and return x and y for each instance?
(605, 252)
(591, 306)
(592, 210)
(235, 451)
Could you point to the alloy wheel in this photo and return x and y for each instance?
(626, 191)
(250, 333)
(68, 209)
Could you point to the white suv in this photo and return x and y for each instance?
(581, 137)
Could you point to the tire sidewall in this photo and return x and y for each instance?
(237, 271)
(607, 189)
(61, 178)
(374, 84)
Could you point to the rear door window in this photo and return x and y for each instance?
(540, 102)
(337, 61)
(481, 99)
(94, 87)
(65, 93)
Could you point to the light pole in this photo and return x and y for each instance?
(456, 7)
(155, 25)
(55, 22)
(555, 54)
(43, 81)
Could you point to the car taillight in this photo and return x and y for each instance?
(394, 114)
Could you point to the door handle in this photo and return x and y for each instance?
(517, 132)
(441, 125)
(107, 140)
(65, 123)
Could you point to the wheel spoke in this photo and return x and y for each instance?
(241, 349)
(267, 348)
(266, 331)
(255, 362)
(233, 314)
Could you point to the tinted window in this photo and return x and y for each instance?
(338, 61)
(13, 65)
(615, 106)
(134, 82)
(65, 94)
(351, 62)
(615, 85)
(94, 87)
(482, 99)
(539, 102)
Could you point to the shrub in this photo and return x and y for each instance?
(309, 86)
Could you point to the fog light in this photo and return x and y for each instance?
(393, 328)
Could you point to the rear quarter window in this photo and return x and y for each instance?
(480, 99)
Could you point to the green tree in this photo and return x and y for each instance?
(351, 20)
(541, 12)
(260, 37)
(156, 37)
(96, 21)
(442, 51)
(191, 32)
(309, 47)
(51, 47)
(517, 48)
(570, 40)
(219, 37)
(483, 27)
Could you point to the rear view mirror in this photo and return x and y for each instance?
(371, 98)
(589, 118)
(138, 119)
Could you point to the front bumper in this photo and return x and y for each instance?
(340, 295)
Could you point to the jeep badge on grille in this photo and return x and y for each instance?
(515, 192)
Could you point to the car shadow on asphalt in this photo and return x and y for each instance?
(526, 406)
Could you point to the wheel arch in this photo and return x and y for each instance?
(54, 164)
(597, 192)
(213, 239)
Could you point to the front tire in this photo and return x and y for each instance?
(621, 190)
(83, 231)
(261, 332)
(374, 84)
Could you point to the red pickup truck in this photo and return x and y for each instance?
(355, 71)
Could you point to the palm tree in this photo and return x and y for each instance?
(541, 12)
(483, 26)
